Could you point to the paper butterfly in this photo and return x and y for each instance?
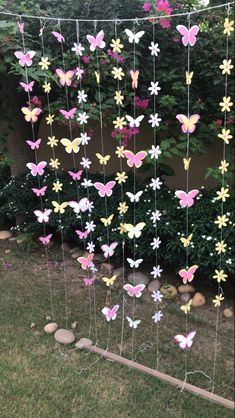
(59, 207)
(107, 221)
(96, 42)
(188, 124)
(134, 263)
(40, 192)
(42, 216)
(134, 123)
(80, 206)
(82, 235)
(45, 240)
(186, 162)
(86, 262)
(134, 231)
(97, 75)
(109, 281)
(133, 324)
(25, 59)
(134, 37)
(134, 159)
(58, 36)
(104, 189)
(134, 290)
(188, 275)
(189, 35)
(65, 78)
(89, 281)
(134, 76)
(185, 342)
(189, 77)
(71, 146)
(134, 197)
(110, 313)
(20, 26)
(36, 168)
(77, 175)
(27, 87)
(68, 114)
(186, 308)
(186, 241)
(186, 199)
(31, 115)
(34, 145)
(103, 159)
(108, 250)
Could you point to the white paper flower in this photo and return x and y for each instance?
(82, 96)
(157, 296)
(154, 49)
(157, 316)
(155, 183)
(82, 118)
(155, 216)
(78, 48)
(156, 272)
(87, 183)
(154, 89)
(90, 226)
(156, 243)
(154, 120)
(84, 138)
(155, 152)
(79, 73)
(90, 247)
(85, 162)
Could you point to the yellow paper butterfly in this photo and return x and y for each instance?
(109, 282)
(97, 77)
(31, 115)
(186, 163)
(107, 221)
(71, 146)
(102, 159)
(186, 308)
(189, 77)
(134, 231)
(186, 241)
(59, 207)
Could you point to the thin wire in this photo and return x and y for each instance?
(120, 20)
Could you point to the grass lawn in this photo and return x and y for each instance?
(36, 381)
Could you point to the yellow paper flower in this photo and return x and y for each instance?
(50, 119)
(119, 152)
(117, 73)
(57, 186)
(52, 141)
(228, 26)
(220, 247)
(226, 67)
(122, 208)
(226, 104)
(118, 97)
(217, 301)
(224, 166)
(119, 123)
(121, 177)
(44, 63)
(221, 221)
(220, 276)
(222, 194)
(54, 163)
(116, 45)
(225, 135)
(46, 87)
(122, 228)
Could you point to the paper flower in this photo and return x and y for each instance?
(82, 96)
(220, 276)
(85, 162)
(84, 138)
(87, 183)
(155, 183)
(225, 135)
(217, 301)
(154, 88)
(44, 63)
(226, 104)
(157, 316)
(226, 67)
(154, 49)
(122, 228)
(155, 216)
(90, 226)
(154, 120)
(79, 73)
(156, 243)
(57, 186)
(156, 272)
(90, 247)
(50, 119)
(122, 207)
(220, 247)
(54, 163)
(119, 122)
(117, 73)
(46, 87)
(221, 221)
(119, 152)
(82, 118)
(121, 177)
(118, 97)
(78, 48)
(157, 296)
(224, 166)
(116, 45)
(155, 152)
(222, 194)
(52, 141)
(228, 26)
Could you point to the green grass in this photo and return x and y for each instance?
(35, 381)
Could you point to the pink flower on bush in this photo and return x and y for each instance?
(86, 59)
(164, 7)
(175, 39)
(147, 7)
(140, 104)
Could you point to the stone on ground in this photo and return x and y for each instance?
(51, 328)
(185, 297)
(154, 285)
(77, 254)
(5, 234)
(119, 272)
(228, 313)
(107, 267)
(83, 342)
(138, 278)
(65, 247)
(198, 300)
(169, 291)
(64, 336)
(186, 288)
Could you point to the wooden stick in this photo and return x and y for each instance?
(172, 380)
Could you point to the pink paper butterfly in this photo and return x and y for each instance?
(65, 78)
(96, 42)
(82, 235)
(188, 124)
(185, 342)
(110, 313)
(105, 189)
(80, 206)
(75, 176)
(36, 168)
(58, 36)
(108, 250)
(86, 262)
(134, 290)
(20, 26)
(89, 281)
(68, 114)
(134, 159)
(40, 192)
(188, 275)
(27, 87)
(25, 59)
(45, 240)
(186, 199)
(34, 145)
(42, 216)
(189, 35)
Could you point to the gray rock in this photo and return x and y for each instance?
(83, 342)
(77, 254)
(65, 247)
(138, 278)
(64, 336)
(185, 297)
(107, 267)
(154, 285)
(119, 272)
(74, 250)
(5, 234)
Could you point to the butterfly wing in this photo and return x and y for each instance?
(183, 197)
(92, 41)
(181, 340)
(131, 121)
(138, 290)
(192, 121)
(67, 144)
(75, 206)
(131, 230)
(130, 34)
(193, 31)
(131, 262)
(185, 34)
(129, 288)
(138, 35)
(108, 187)
(138, 120)
(191, 195)
(131, 196)
(189, 338)
(138, 229)
(101, 188)
(100, 39)
(139, 157)
(130, 157)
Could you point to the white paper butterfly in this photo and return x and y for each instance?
(133, 324)
(185, 341)
(134, 197)
(134, 263)
(134, 37)
(108, 250)
(134, 123)
(42, 216)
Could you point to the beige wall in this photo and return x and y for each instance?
(199, 164)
